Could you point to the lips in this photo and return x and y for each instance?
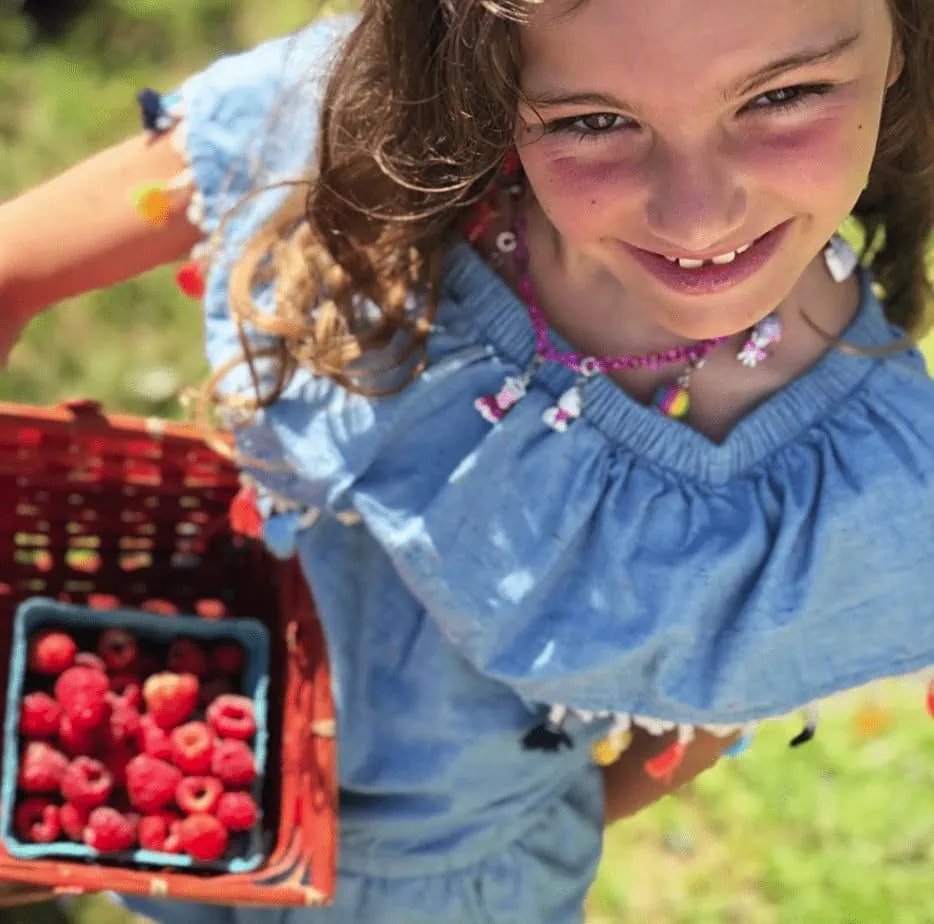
(710, 277)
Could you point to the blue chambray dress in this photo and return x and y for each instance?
(471, 577)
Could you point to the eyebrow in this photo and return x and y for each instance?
(549, 98)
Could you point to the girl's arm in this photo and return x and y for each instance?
(629, 789)
(81, 231)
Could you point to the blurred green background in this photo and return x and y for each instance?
(839, 832)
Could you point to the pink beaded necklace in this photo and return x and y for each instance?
(671, 400)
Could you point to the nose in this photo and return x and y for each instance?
(696, 201)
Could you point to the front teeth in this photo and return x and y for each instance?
(722, 260)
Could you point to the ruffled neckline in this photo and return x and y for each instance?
(501, 320)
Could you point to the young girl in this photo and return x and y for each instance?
(595, 442)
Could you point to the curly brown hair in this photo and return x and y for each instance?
(418, 114)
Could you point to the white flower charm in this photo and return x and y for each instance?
(567, 409)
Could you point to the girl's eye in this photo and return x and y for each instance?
(788, 98)
(592, 126)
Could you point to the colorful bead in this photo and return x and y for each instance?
(664, 765)
(673, 401)
(871, 720)
(740, 746)
(154, 204)
(190, 279)
(245, 518)
(608, 750)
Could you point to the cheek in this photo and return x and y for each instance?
(580, 191)
(818, 164)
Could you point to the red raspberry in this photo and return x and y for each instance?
(203, 838)
(82, 693)
(213, 688)
(151, 783)
(115, 759)
(37, 821)
(153, 740)
(171, 698)
(192, 747)
(237, 811)
(198, 795)
(155, 832)
(228, 658)
(39, 716)
(127, 688)
(51, 653)
(124, 723)
(232, 717)
(108, 831)
(76, 741)
(74, 820)
(87, 782)
(233, 763)
(118, 649)
(86, 659)
(41, 768)
(187, 657)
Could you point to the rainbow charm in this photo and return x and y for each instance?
(673, 400)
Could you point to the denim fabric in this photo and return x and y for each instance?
(628, 565)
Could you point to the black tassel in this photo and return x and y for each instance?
(155, 118)
(547, 737)
(804, 736)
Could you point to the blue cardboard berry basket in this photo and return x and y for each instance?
(246, 852)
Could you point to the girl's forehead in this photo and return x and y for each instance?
(681, 39)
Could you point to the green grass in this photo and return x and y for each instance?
(839, 832)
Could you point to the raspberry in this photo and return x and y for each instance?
(51, 653)
(203, 838)
(171, 698)
(37, 821)
(124, 723)
(155, 832)
(232, 717)
(87, 659)
(153, 740)
(74, 819)
(39, 716)
(237, 811)
(151, 783)
(82, 694)
(192, 747)
(228, 658)
(127, 688)
(78, 741)
(198, 795)
(108, 831)
(41, 768)
(118, 649)
(87, 782)
(233, 763)
(187, 657)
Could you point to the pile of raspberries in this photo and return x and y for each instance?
(119, 751)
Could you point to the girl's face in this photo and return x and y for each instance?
(697, 128)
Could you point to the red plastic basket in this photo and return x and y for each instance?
(107, 510)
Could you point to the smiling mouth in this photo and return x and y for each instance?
(711, 273)
(719, 260)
